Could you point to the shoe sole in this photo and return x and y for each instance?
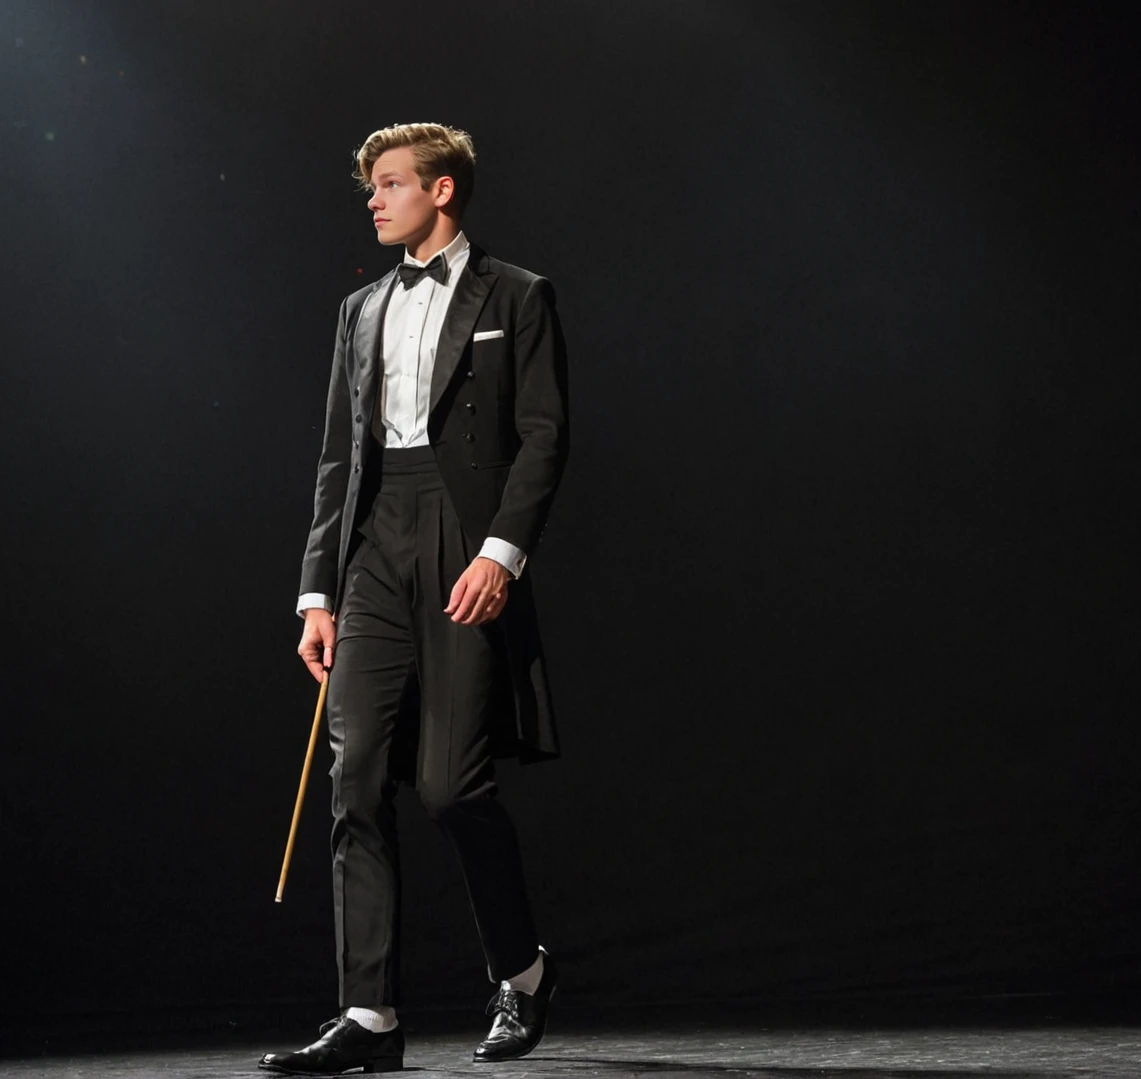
(371, 1067)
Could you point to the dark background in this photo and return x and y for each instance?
(838, 595)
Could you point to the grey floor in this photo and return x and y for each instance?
(661, 1050)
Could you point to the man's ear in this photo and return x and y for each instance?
(445, 189)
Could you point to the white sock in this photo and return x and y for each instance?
(378, 1020)
(528, 981)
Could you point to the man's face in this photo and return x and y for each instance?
(402, 210)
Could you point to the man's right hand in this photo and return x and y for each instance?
(316, 647)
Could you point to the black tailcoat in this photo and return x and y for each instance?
(498, 422)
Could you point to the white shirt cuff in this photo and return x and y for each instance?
(313, 599)
(506, 554)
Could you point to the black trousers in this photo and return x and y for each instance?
(391, 628)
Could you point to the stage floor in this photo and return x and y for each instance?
(674, 1044)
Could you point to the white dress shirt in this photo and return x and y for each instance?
(412, 327)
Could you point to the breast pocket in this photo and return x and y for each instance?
(491, 362)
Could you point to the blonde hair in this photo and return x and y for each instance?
(437, 151)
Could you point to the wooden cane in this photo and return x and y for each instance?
(304, 781)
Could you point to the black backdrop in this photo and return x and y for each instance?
(838, 594)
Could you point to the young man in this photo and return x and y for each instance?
(445, 439)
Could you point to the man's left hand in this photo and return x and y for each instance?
(480, 594)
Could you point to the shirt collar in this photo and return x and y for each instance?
(456, 247)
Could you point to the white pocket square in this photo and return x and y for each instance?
(486, 335)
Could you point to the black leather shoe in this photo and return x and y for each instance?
(343, 1044)
(520, 1019)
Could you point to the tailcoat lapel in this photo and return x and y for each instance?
(368, 338)
(472, 290)
(368, 346)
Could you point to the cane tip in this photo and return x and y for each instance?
(277, 899)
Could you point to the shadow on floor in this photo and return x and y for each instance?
(641, 1067)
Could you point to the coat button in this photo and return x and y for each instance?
(359, 417)
(356, 468)
(357, 392)
(469, 437)
(471, 374)
(470, 407)
(474, 465)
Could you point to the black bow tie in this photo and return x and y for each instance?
(410, 273)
